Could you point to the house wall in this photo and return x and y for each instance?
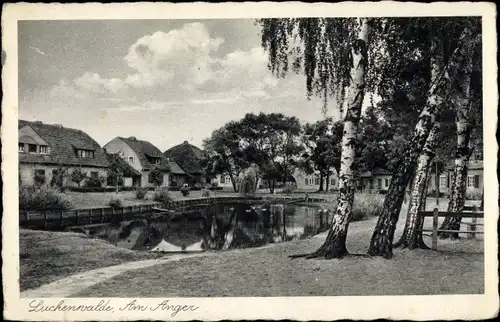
(375, 183)
(312, 181)
(227, 181)
(445, 181)
(123, 149)
(27, 173)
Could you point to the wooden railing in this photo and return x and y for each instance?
(469, 212)
(58, 219)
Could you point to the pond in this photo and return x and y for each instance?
(219, 227)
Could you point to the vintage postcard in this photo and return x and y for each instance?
(301, 161)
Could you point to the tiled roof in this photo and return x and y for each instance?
(472, 165)
(175, 168)
(374, 172)
(187, 156)
(62, 142)
(144, 151)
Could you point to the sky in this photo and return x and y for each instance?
(164, 81)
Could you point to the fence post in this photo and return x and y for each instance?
(472, 226)
(62, 218)
(45, 219)
(90, 216)
(435, 228)
(77, 220)
(102, 215)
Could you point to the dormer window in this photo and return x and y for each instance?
(32, 148)
(86, 154)
(44, 149)
(22, 149)
(157, 161)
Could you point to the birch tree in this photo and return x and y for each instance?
(446, 61)
(334, 55)
(463, 103)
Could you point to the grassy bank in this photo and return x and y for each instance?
(457, 268)
(48, 256)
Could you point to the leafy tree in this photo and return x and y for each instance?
(156, 177)
(322, 141)
(58, 177)
(77, 176)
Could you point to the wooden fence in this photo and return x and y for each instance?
(469, 212)
(59, 219)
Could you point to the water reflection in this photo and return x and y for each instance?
(219, 227)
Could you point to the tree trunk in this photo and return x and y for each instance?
(321, 182)
(411, 238)
(459, 184)
(334, 245)
(327, 181)
(235, 186)
(383, 235)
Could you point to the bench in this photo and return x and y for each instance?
(468, 212)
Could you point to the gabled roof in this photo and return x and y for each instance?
(188, 157)
(145, 151)
(374, 172)
(62, 142)
(175, 168)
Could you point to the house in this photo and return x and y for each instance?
(377, 180)
(144, 157)
(312, 181)
(128, 173)
(474, 183)
(46, 148)
(190, 159)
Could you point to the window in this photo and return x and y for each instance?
(379, 184)
(157, 161)
(307, 181)
(31, 148)
(371, 183)
(87, 154)
(44, 149)
(222, 179)
(21, 148)
(131, 159)
(443, 181)
(94, 174)
(228, 179)
(316, 181)
(473, 181)
(386, 182)
(332, 182)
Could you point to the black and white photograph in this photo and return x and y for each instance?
(191, 159)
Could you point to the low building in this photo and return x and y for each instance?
(46, 149)
(377, 180)
(144, 157)
(474, 183)
(312, 181)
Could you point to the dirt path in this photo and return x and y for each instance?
(78, 282)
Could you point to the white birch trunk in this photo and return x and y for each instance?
(410, 236)
(334, 245)
(459, 182)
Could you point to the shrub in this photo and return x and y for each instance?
(42, 198)
(115, 203)
(95, 182)
(39, 180)
(77, 176)
(162, 196)
(185, 190)
(205, 193)
(288, 188)
(197, 186)
(140, 193)
(366, 205)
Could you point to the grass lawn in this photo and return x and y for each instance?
(457, 268)
(49, 256)
(101, 199)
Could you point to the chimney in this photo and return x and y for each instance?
(186, 142)
(133, 138)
